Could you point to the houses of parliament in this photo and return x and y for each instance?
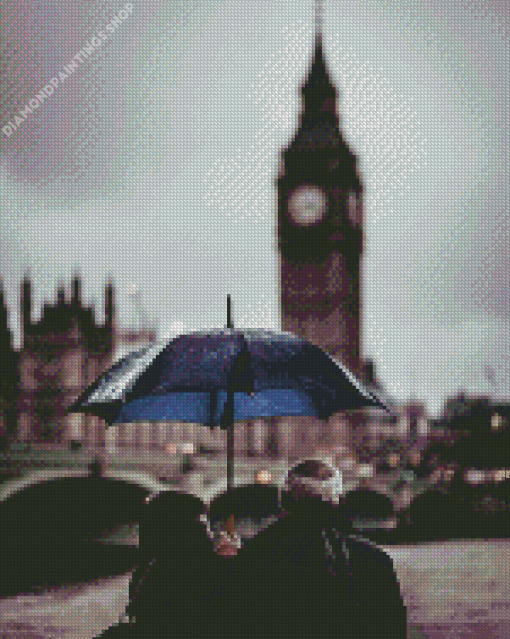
(320, 232)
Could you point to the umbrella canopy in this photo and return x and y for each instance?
(189, 379)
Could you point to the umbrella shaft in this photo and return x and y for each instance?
(228, 423)
(230, 456)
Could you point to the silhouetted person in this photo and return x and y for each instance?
(178, 589)
(307, 575)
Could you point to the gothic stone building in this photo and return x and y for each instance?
(61, 353)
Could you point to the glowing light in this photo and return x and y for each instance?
(188, 448)
(496, 421)
(365, 470)
(501, 474)
(474, 476)
(263, 477)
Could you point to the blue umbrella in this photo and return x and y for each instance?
(187, 379)
(221, 376)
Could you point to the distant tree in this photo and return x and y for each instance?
(462, 412)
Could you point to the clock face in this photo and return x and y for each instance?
(307, 205)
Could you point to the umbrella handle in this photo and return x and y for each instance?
(228, 544)
(230, 527)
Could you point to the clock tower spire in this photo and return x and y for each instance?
(318, 92)
(320, 226)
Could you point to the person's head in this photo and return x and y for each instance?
(310, 483)
(171, 520)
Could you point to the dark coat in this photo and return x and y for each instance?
(379, 609)
(179, 587)
(283, 587)
(182, 597)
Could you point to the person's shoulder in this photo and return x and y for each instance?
(362, 549)
(269, 535)
(372, 565)
(268, 544)
(377, 589)
(359, 541)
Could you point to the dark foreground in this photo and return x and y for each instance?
(452, 590)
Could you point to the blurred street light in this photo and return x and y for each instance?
(500, 474)
(475, 476)
(496, 421)
(187, 448)
(365, 470)
(262, 476)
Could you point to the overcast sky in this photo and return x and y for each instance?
(154, 161)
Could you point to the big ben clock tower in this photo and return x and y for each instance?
(320, 224)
